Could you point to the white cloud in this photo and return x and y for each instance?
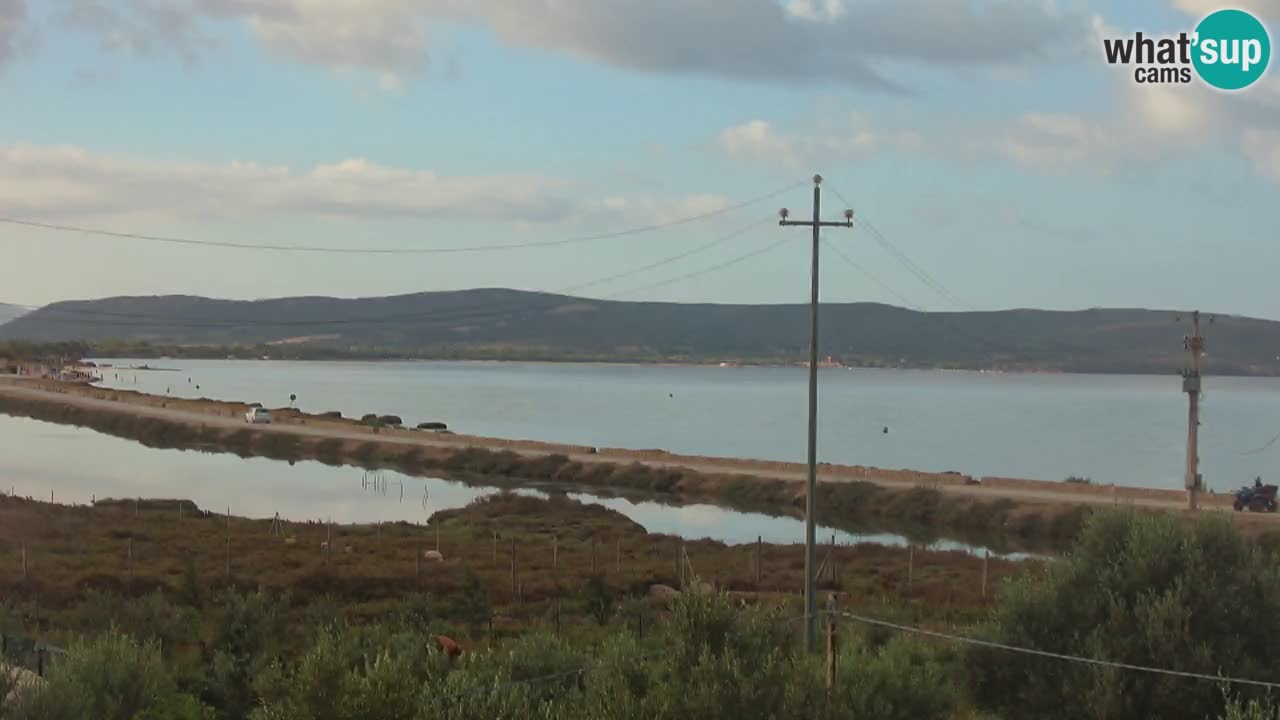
(848, 42)
(1262, 147)
(1199, 8)
(66, 182)
(853, 136)
(1058, 139)
(822, 10)
(13, 18)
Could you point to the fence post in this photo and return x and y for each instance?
(986, 555)
(514, 589)
(759, 556)
(911, 564)
(832, 651)
(555, 552)
(679, 568)
(437, 540)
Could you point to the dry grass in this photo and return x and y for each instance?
(371, 569)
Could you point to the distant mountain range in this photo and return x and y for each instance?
(511, 324)
(10, 312)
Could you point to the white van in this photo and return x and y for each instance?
(258, 416)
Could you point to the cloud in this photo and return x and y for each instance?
(1268, 9)
(67, 180)
(1262, 147)
(39, 181)
(844, 42)
(13, 18)
(137, 27)
(852, 137)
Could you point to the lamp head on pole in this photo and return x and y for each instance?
(817, 179)
(848, 216)
(784, 214)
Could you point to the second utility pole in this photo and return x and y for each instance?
(810, 507)
(1191, 386)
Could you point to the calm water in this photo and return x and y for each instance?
(79, 465)
(1113, 429)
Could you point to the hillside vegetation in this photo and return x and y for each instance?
(509, 324)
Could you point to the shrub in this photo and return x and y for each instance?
(1142, 589)
(111, 678)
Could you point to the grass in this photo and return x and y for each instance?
(136, 550)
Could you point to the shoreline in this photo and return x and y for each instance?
(716, 364)
(1030, 510)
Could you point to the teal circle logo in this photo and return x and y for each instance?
(1232, 49)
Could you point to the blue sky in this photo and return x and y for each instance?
(986, 139)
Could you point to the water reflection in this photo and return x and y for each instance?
(79, 465)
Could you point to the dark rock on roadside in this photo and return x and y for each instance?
(432, 426)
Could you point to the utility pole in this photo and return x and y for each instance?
(810, 506)
(1191, 386)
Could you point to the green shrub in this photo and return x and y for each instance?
(1141, 589)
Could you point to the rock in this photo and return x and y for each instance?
(433, 556)
(665, 592)
(390, 420)
(432, 426)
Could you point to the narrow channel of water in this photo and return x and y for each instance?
(78, 465)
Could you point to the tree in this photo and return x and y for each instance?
(111, 678)
(1142, 589)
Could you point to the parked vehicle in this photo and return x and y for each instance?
(258, 416)
(1258, 498)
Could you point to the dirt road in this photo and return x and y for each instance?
(228, 416)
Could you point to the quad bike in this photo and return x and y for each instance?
(1256, 498)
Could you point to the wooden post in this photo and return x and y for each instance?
(679, 568)
(179, 511)
(832, 650)
(437, 540)
(555, 552)
(759, 557)
(911, 565)
(228, 521)
(986, 555)
(50, 497)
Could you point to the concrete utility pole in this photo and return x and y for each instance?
(1191, 386)
(810, 508)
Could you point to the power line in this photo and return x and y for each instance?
(400, 251)
(703, 271)
(473, 313)
(914, 268)
(1055, 656)
(868, 275)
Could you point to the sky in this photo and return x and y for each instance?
(1002, 162)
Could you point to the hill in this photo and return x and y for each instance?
(511, 324)
(10, 312)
